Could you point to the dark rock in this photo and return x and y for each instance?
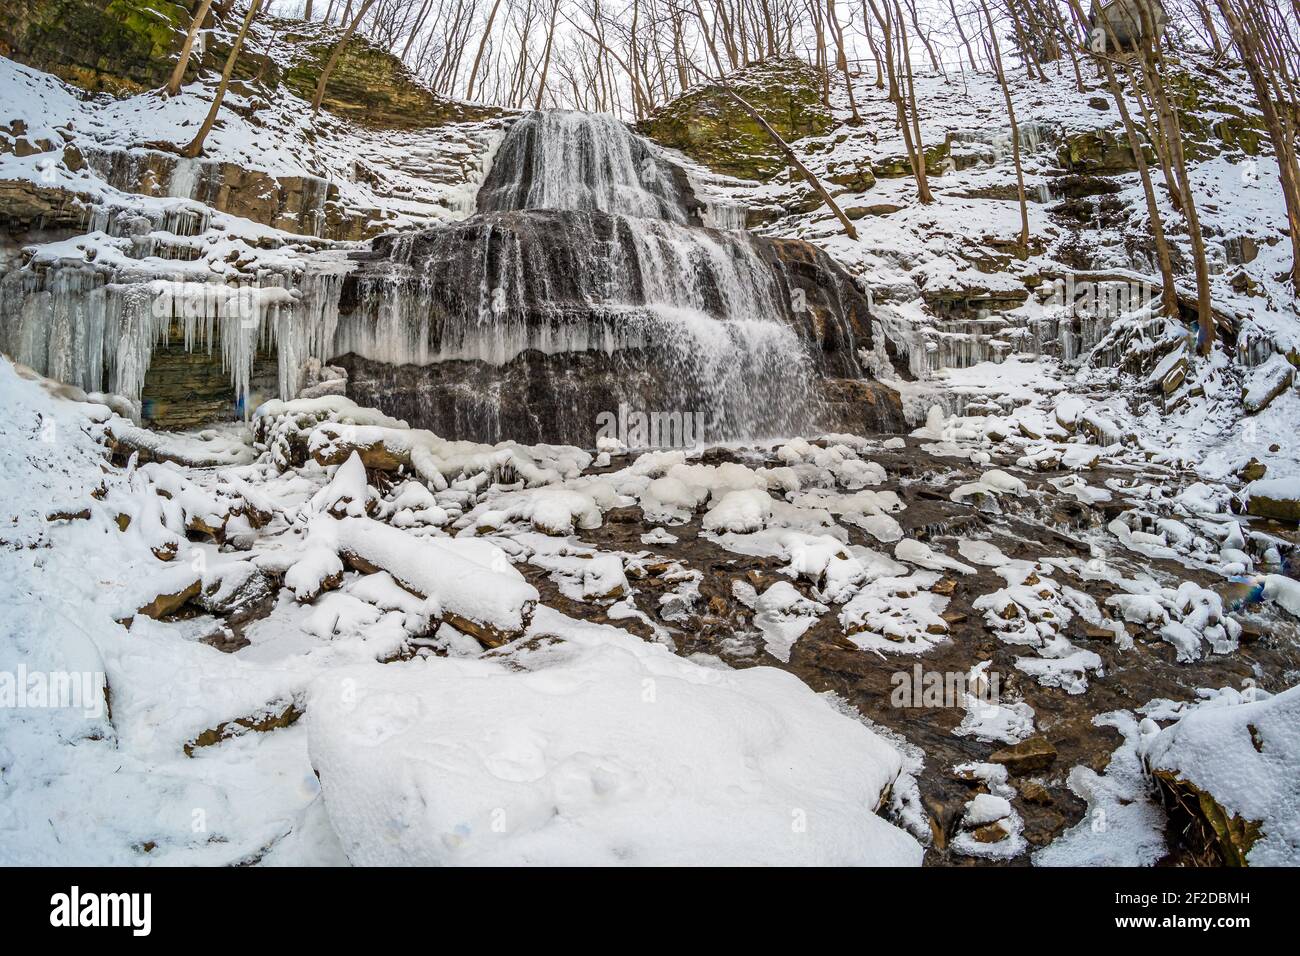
(1253, 470)
(1029, 756)
(876, 209)
(1035, 792)
(73, 159)
(561, 394)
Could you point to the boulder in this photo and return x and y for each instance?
(1277, 498)
(1265, 383)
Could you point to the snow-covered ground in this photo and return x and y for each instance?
(297, 659)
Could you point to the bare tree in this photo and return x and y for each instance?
(546, 55)
(1164, 259)
(178, 74)
(845, 223)
(195, 146)
(1261, 55)
(1015, 131)
(336, 53)
(1152, 63)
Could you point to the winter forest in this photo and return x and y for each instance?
(649, 433)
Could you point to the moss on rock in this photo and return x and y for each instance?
(707, 125)
(373, 87)
(122, 46)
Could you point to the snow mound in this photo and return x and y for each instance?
(600, 749)
(1247, 756)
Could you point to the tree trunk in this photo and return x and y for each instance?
(487, 32)
(916, 144)
(1167, 117)
(841, 60)
(1252, 59)
(178, 74)
(845, 222)
(1164, 260)
(1015, 131)
(546, 56)
(196, 145)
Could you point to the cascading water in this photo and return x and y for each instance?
(559, 159)
(581, 285)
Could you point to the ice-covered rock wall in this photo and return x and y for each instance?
(584, 285)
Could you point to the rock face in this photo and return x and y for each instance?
(371, 86)
(307, 205)
(129, 46)
(530, 325)
(708, 126)
(1274, 498)
(188, 388)
(1098, 153)
(1028, 756)
(118, 46)
(27, 205)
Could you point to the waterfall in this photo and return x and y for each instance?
(585, 282)
(559, 159)
(711, 315)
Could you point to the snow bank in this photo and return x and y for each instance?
(605, 750)
(475, 584)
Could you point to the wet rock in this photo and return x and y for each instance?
(1029, 756)
(73, 159)
(854, 177)
(1034, 792)
(554, 395)
(938, 156)
(122, 47)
